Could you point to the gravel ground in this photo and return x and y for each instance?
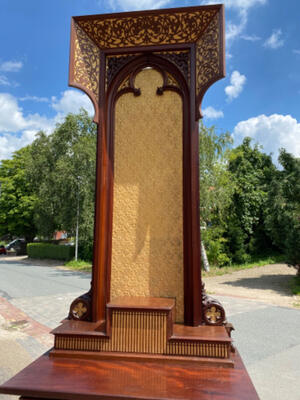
(270, 284)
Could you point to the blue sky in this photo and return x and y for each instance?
(259, 97)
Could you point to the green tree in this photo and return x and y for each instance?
(63, 169)
(283, 208)
(252, 172)
(17, 199)
(215, 179)
(215, 191)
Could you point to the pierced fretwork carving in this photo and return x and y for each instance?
(114, 64)
(86, 63)
(181, 59)
(95, 34)
(208, 57)
(149, 29)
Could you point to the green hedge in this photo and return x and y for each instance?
(52, 251)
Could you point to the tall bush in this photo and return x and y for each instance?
(51, 251)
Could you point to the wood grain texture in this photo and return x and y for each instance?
(137, 325)
(78, 379)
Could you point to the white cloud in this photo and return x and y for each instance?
(296, 51)
(70, 102)
(273, 132)
(251, 38)
(242, 7)
(11, 115)
(131, 5)
(18, 129)
(10, 143)
(211, 113)
(4, 81)
(233, 31)
(11, 66)
(34, 98)
(237, 82)
(274, 41)
(238, 4)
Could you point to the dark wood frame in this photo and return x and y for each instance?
(103, 220)
(100, 291)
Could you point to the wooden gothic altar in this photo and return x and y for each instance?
(146, 329)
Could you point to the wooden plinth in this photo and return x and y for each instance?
(78, 379)
(142, 327)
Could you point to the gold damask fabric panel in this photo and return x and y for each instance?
(147, 238)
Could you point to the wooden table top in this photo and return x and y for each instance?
(81, 379)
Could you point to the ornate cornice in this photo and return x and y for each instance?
(147, 29)
(209, 59)
(85, 64)
(117, 36)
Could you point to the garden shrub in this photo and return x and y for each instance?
(51, 251)
(85, 250)
(215, 245)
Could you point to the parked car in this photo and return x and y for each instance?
(18, 246)
(2, 249)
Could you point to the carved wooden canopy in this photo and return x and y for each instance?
(191, 37)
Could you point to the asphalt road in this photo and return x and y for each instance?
(23, 280)
(266, 336)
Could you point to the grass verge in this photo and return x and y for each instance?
(257, 262)
(295, 288)
(79, 265)
(295, 285)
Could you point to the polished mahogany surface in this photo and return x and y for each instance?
(78, 379)
(71, 327)
(205, 333)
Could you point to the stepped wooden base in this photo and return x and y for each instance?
(91, 355)
(143, 327)
(81, 379)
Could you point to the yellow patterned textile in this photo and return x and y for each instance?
(147, 240)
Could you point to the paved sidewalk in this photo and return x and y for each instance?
(22, 340)
(267, 336)
(34, 297)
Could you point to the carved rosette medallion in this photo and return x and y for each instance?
(80, 308)
(212, 310)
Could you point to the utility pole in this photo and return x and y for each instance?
(77, 222)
